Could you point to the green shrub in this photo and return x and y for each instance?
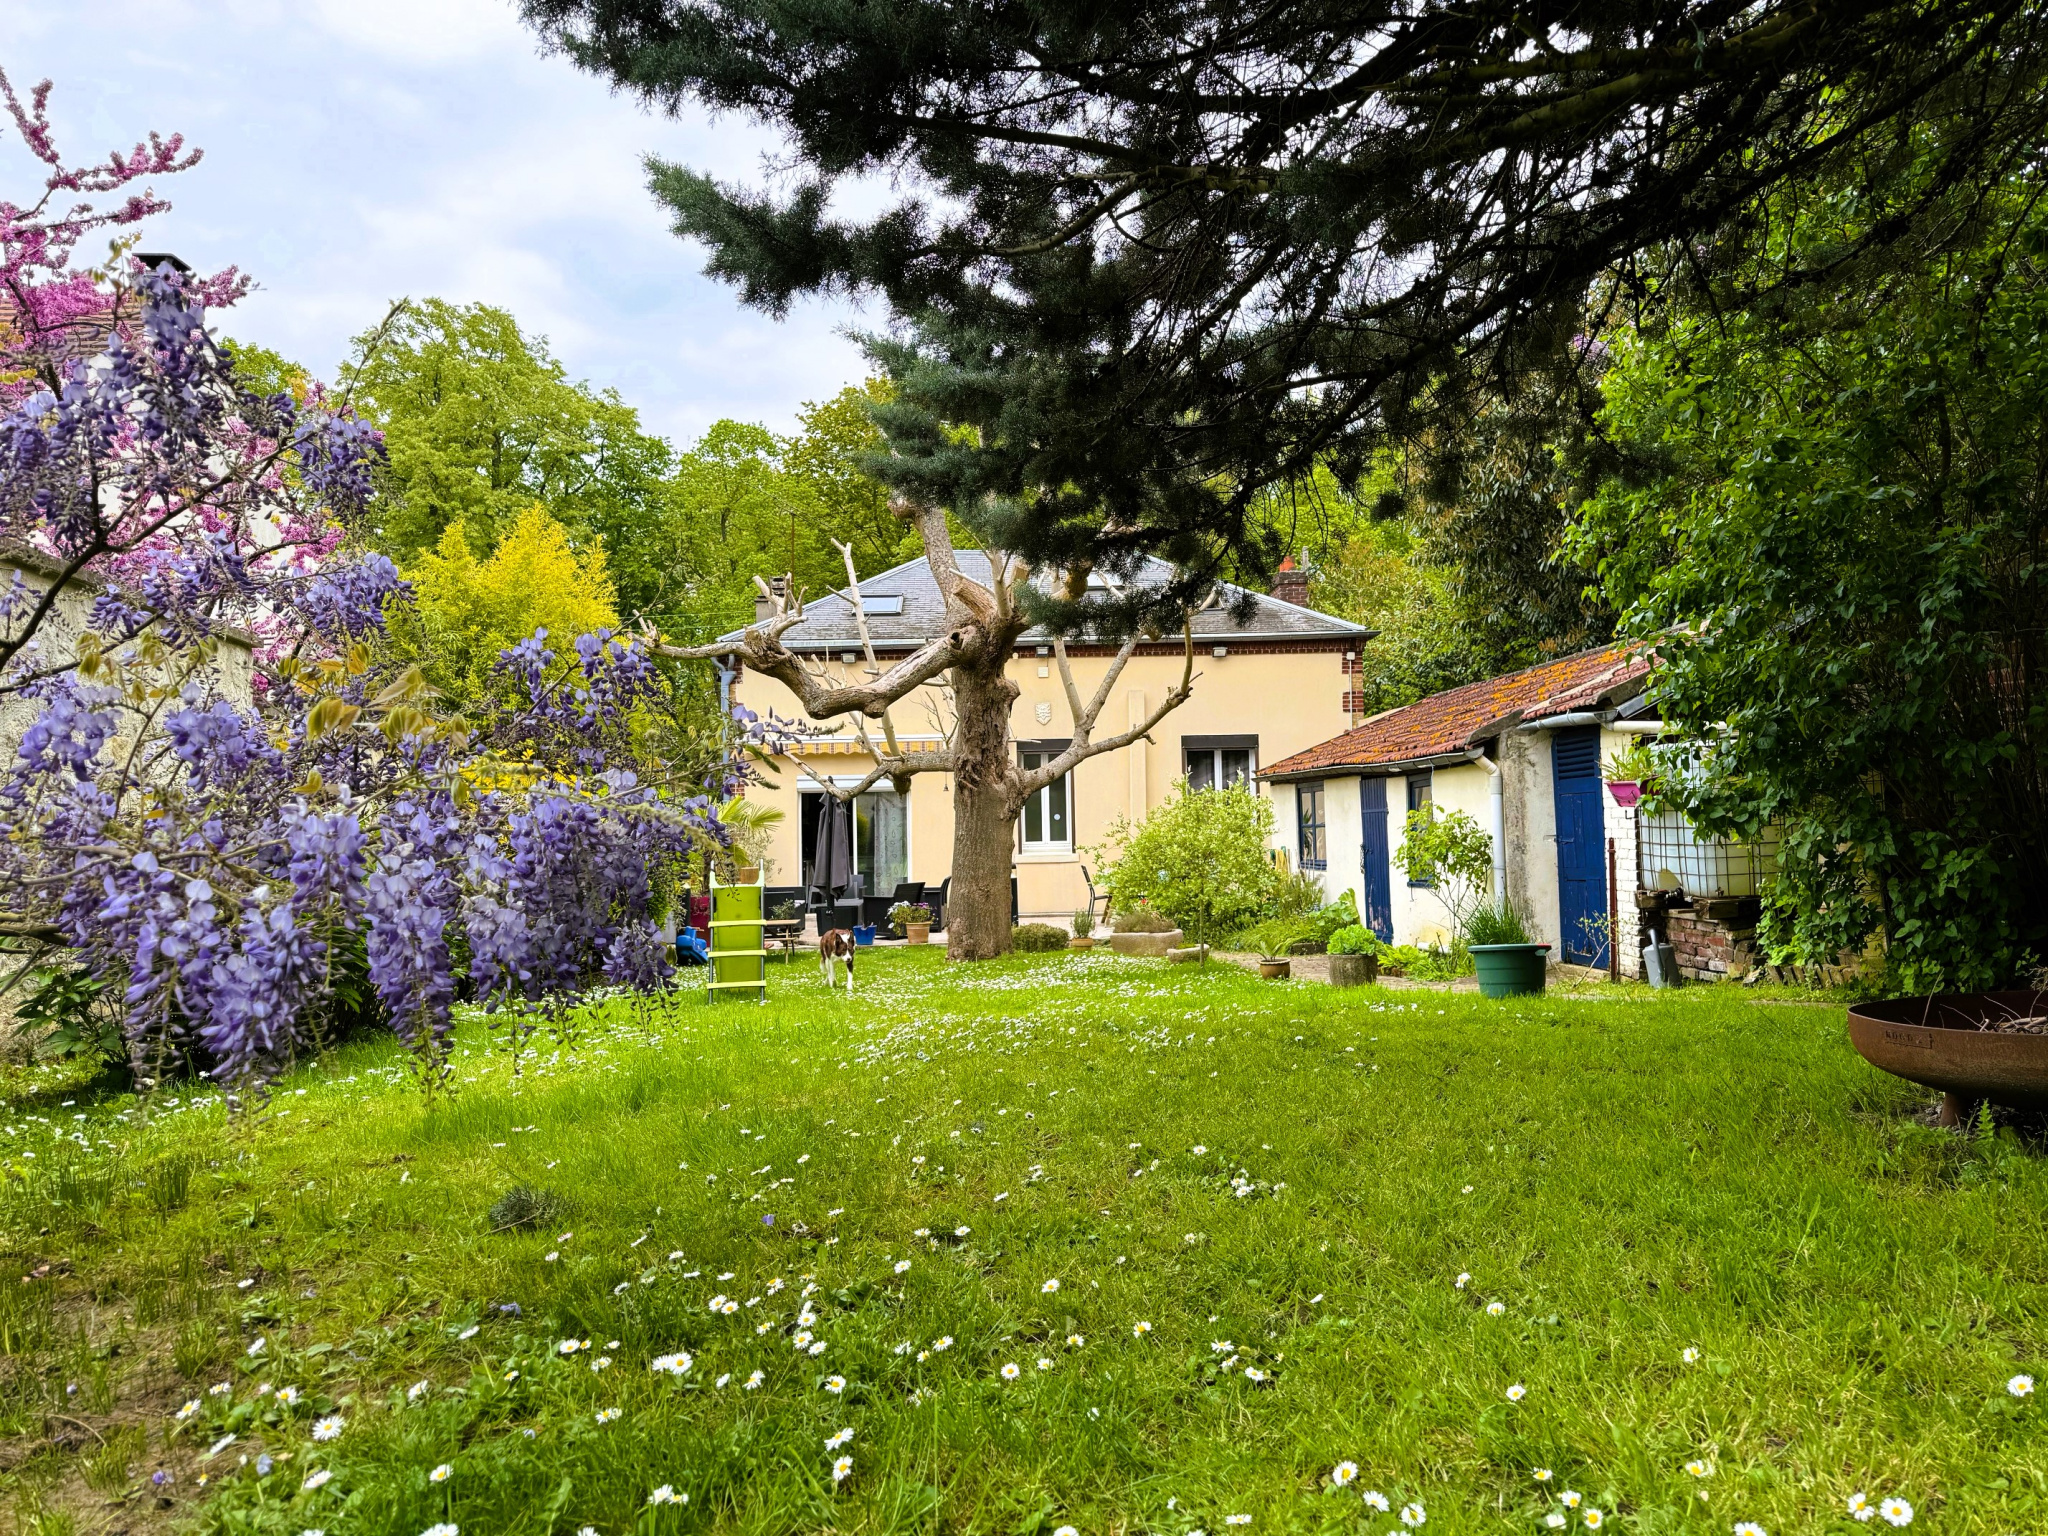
(1142, 920)
(1492, 924)
(1084, 922)
(1355, 939)
(1432, 964)
(1299, 893)
(1037, 938)
(1200, 860)
(1299, 934)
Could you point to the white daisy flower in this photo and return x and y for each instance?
(835, 1384)
(1495, 1308)
(187, 1411)
(1543, 1474)
(1591, 1519)
(570, 1346)
(606, 1415)
(1517, 1392)
(1010, 1371)
(2021, 1386)
(1344, 1474)
(413, 1393)
(1749, 1528)
(1570, 1500)
(1462, 1281)
(315, 1480)
(902, 1266)
(753, 1381)
(442, 1528)
(1704, 1469)
(1690, 1354)
(1139, 1330)
(842, 1469)
(441, 1474)
(1075, 1341)
(1860, 1506)
(944, 1342)
(1237, 1519)
(833, 1442)
(1065, 1530)
(1413, 1514)
(1374, 1499)
(666, 1494)
(329, 1428)
(1199, 1150)
(1045, 1362)
(1895, 1511)
(816, 1349)
(1050, 1286)
(1253, 1374)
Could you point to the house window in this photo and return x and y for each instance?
(1047, 825)
(1308, 804)
(1219, 762)
(1421, 792)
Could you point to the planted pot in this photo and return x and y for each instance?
(1625, 793)
(1970, 1045)
(918, 933)
(1510, 970)
(1354, 970)
(1275, 969)
(1081, 941)
(1145, 943)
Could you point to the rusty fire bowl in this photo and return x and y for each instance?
(1937, 1041)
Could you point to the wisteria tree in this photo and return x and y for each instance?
(219, 780)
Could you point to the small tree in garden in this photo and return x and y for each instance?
(1199, 860)
(206, 857)
(1450, 851)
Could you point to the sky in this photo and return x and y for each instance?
(357, 151)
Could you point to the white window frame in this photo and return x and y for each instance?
(1042, 798)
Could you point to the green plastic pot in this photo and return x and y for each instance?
(1510, 970)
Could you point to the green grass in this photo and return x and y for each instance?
(1627, 1175)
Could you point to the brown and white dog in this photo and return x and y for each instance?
(837, 944)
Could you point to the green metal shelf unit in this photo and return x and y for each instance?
(739, 956)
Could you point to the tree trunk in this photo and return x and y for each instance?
(984, 810)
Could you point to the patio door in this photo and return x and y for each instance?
(1581, 846)
(881, 841)
(1374, 878)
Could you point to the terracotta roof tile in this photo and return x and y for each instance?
(1449, 723)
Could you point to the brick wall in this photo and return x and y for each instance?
(1710, 948)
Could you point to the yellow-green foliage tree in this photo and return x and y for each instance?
(470, 609)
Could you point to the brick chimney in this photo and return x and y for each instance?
(1290, 583)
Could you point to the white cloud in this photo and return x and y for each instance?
(357, 150)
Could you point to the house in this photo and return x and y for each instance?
(1521, 755)
(1267, 689)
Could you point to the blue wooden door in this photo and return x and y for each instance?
(1581, 845)
(1372, 859)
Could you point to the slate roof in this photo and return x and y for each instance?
(827, 623)
(1449, 725)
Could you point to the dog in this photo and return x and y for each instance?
(837, 944)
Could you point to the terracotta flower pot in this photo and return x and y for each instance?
(1081, 941)
(747, 874)
(918, 933)
(1275, 970)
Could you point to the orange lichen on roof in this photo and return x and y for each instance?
(1446, 724)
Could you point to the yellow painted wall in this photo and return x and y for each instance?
(1290, 700)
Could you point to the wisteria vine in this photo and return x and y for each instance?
(219, 779)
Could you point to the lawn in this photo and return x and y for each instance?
(1058, 1241)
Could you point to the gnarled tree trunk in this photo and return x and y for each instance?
(985, 803)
